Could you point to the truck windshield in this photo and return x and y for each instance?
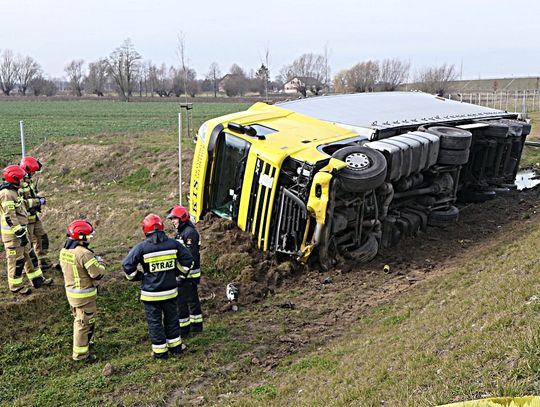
(231, 157)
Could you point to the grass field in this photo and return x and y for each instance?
(50, 120)
(469, 331)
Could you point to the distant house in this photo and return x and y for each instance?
(302, 84)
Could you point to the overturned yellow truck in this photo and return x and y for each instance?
(352, 174)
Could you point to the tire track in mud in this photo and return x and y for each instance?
(324, 305)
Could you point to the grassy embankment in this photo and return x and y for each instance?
(470, 332)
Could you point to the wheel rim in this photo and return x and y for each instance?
(357, 161)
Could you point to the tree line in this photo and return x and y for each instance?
(125, 73)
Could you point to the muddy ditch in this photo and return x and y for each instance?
(324, 305)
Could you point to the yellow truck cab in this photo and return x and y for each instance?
(351, 174)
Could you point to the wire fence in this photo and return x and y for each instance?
(522, 101)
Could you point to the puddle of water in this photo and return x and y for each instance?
(527, 179)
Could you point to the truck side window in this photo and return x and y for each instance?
(231, 154)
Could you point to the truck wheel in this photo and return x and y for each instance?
(453, 157)
(367, 251)
(444, 216)
(366, 168)
(452, 138)
(495, 129)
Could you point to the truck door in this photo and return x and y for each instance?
(228, 174)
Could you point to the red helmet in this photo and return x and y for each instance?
(13, 174)
(80, 229)
(151, 223)
(179, 212)
(30, 165)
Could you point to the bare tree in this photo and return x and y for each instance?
(181, 53)
(122, 65)
(261, 80)
(161, 79)
(28, 70)
(97, 77)
(340, 81)
(393, 73)
(42, 86)
(9, 70)
(214, 75)
(263, 73)
(310, 69)
(363, 76)
(74, 72)
(235, 82)
(436, 80)
(326, 67)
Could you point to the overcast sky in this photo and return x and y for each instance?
(485, 38)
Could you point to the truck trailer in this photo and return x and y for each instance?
(352, 174)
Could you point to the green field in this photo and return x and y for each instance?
(49, 120)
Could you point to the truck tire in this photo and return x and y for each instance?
(452, 138)
(366, 168)
(453, 157)
(443, 217)
(367, 251)
(495, 129)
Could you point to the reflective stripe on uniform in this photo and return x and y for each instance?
(93, 262)
(184, 322)
(195, 319)
(132, 275)
(6, 229)
(11, 253)
(80, 350)
(81, 292)
(15, 281)
(194, 273)
(173, 343)
(8, 205)
(37, 273)
(76, 278)
(162, 348)
(31, 217)
(158, 295)
(159, 254)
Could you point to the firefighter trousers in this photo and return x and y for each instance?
(162, 319)
(189, 307)
(19, 259)
(40, 243)
(84, 323)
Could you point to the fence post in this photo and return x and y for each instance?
(23, 146)
(180, 157)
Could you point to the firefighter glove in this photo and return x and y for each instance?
(42, 201)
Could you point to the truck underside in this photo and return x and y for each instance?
(398, 185)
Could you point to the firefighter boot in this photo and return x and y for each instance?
(178, 350)
(40, 281)
(23, 291)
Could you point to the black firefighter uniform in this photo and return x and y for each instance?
(162, 260)
(189, 306)
(81, 273)
(13, 220)
(36, 233)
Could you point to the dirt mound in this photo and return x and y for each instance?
(230, 255)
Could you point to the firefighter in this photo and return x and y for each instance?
(189, 305)
(37, 235)
(13, 221)
(82, 270)
(162, 260)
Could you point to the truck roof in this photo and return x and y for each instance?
(384, 110)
